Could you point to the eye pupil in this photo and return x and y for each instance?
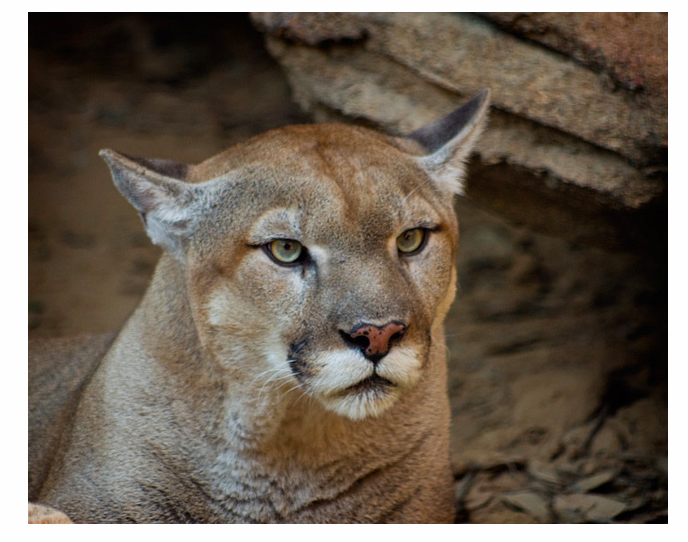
(411, 240)
(285, 250)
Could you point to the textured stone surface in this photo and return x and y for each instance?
(464, 55)
(362, 85)
(630, 47)
(564, 130)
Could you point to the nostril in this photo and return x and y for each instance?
(374, 341)
(398, 335)
(359, 341)
(395, 338)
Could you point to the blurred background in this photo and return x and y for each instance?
(558, 336)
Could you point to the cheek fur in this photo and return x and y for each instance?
(432, 273)
(272, 290)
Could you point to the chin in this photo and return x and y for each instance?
(351, 386)
(363, 403)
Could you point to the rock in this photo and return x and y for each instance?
(527, 80)
(663, 465)
(35, 320)
(563, 149)
(313, 29)
(574, 440)
(608, 42)
(77, 240)
(646, 423)
(606, 442)
(36, 310)
(568, 397)
(487, 247)
(368, 86)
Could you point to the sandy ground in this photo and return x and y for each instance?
(558, 361)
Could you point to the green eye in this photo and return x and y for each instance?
(411, 240)
(285, 251)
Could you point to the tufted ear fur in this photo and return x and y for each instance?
(156, 189)
(450, 140)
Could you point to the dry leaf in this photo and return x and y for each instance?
(595, 481)
(529, 502)
(592, 508)
(544, 473)
(478, 499)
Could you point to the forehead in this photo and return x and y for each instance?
(321, 174)
(350, 156)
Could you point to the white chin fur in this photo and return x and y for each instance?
(340, 370)
(358, 406)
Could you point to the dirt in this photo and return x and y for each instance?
(557, 352)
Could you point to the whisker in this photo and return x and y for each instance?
(309, 398)
(302, 395)
(275, 378)
(266, 372)
(298, 385)
(416, 188)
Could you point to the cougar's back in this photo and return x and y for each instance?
(58, 371)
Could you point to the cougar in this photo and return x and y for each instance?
(287, 363)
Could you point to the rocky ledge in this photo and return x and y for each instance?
(578, 138)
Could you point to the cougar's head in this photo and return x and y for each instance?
(318, 258)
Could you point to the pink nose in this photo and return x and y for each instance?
(374, 341)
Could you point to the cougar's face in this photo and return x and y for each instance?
(334, 266)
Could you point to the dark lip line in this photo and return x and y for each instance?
(373, 380)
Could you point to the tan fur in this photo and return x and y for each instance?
(228, 395)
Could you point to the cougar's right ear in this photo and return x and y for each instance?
(155, 189)
(448, 142)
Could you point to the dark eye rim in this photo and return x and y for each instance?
(426, 235)
(303, 257)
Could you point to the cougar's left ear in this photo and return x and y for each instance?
(156, 189)
(449, 141)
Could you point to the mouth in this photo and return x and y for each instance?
(370, 396)
(345, 383)
(374, 383)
